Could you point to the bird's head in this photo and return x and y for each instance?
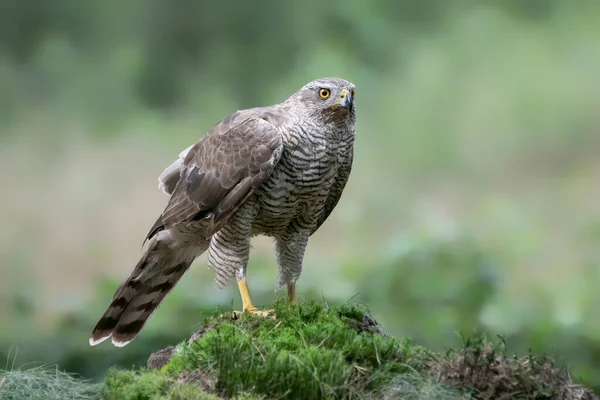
(328, 100)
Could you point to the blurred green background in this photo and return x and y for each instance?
(473, 203)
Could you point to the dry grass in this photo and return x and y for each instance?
(486, 367)
(45, 383)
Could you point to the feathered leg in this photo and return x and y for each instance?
(229, 253)
(290, 254)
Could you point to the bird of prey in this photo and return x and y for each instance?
(277, 171)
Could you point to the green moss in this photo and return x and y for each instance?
(189, 391)
(311, 351)
(308, 351)
(136, 385)
(148, 384)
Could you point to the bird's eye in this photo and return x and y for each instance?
(324, 93)
(352, 93)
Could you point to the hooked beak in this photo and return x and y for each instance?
(346, 99)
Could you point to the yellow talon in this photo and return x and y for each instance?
(247, 306)
(260, 313)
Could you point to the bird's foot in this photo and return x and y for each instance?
(247, 305)
(254, 311)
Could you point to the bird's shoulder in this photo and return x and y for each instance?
(243, 130)
(223, 169)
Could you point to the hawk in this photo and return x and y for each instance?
(277, 171)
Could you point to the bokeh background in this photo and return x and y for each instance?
(473, 203)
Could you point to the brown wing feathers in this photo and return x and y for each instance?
(221, 170)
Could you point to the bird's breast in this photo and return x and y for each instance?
(302, 177)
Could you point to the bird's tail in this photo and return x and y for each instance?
(141, 293)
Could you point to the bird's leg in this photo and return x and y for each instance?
(292, 292)
(247, 305)
(245, 293)
(229, 253)
(290, 253)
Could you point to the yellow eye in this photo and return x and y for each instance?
(324, 93)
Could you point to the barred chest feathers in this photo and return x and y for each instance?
(302, 179)
(310, 162)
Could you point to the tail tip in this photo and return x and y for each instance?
(116, 342)
(97, 340)
(120, 343)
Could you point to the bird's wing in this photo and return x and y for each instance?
(335, 193)
(222, 170)
(170, 176)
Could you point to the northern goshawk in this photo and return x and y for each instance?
(277, 171)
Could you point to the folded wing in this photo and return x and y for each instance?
(221, 171)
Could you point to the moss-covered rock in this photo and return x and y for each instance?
(312, 352)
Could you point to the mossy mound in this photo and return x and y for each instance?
(312, 352)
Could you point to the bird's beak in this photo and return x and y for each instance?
(346, 99)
